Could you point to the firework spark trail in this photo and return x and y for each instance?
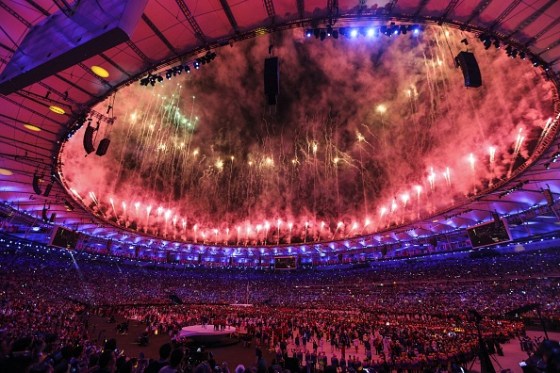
(431, 88)
(147, 128)
(447, 176)
(492, 155)
(93, 198)
(176, 134)
(516, 149)
(123, 204)
(546, 128)
(112, 202)
(442, 52)
(472, 161)
(432, 178)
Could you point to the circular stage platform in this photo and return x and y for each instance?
(208, 336)
(205, 331)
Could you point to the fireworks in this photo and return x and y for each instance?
(518, 142)
(383, 211)
(492, 154)
(447, 176)
(432, 178)
(471, 161)
(317, 166)
(405, 198)
(381, 109)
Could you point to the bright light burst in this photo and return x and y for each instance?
(492, 154)
(472, 161)
(381, 109)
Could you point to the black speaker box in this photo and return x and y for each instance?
(88, 139)
(36, 186)
(48, 190)
(271, 79)
(103, 146)
(469, 67)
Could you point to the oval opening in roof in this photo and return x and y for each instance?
(369, 131)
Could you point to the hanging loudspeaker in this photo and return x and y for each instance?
(103, 146)
(271, 80)
(44, 214)
(548, 196)
(469, 67)
(36, 187)
(53, 216)
(48, 190)
(88, 139)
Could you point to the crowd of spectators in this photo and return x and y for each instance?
(409, 314)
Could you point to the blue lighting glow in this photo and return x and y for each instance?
(371, 32)
(416, 31)
(354, 33)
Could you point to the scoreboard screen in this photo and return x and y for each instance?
(489, 234)
(285, 262)
(64, 238)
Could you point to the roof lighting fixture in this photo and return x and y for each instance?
(32, 127)
(99, 71)
(210, 56)
(371, 32)
(145, 81)
(354, 33)
(308, 33)
(385, 30)
(177, 70)
(57, 110)
(5, 172)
